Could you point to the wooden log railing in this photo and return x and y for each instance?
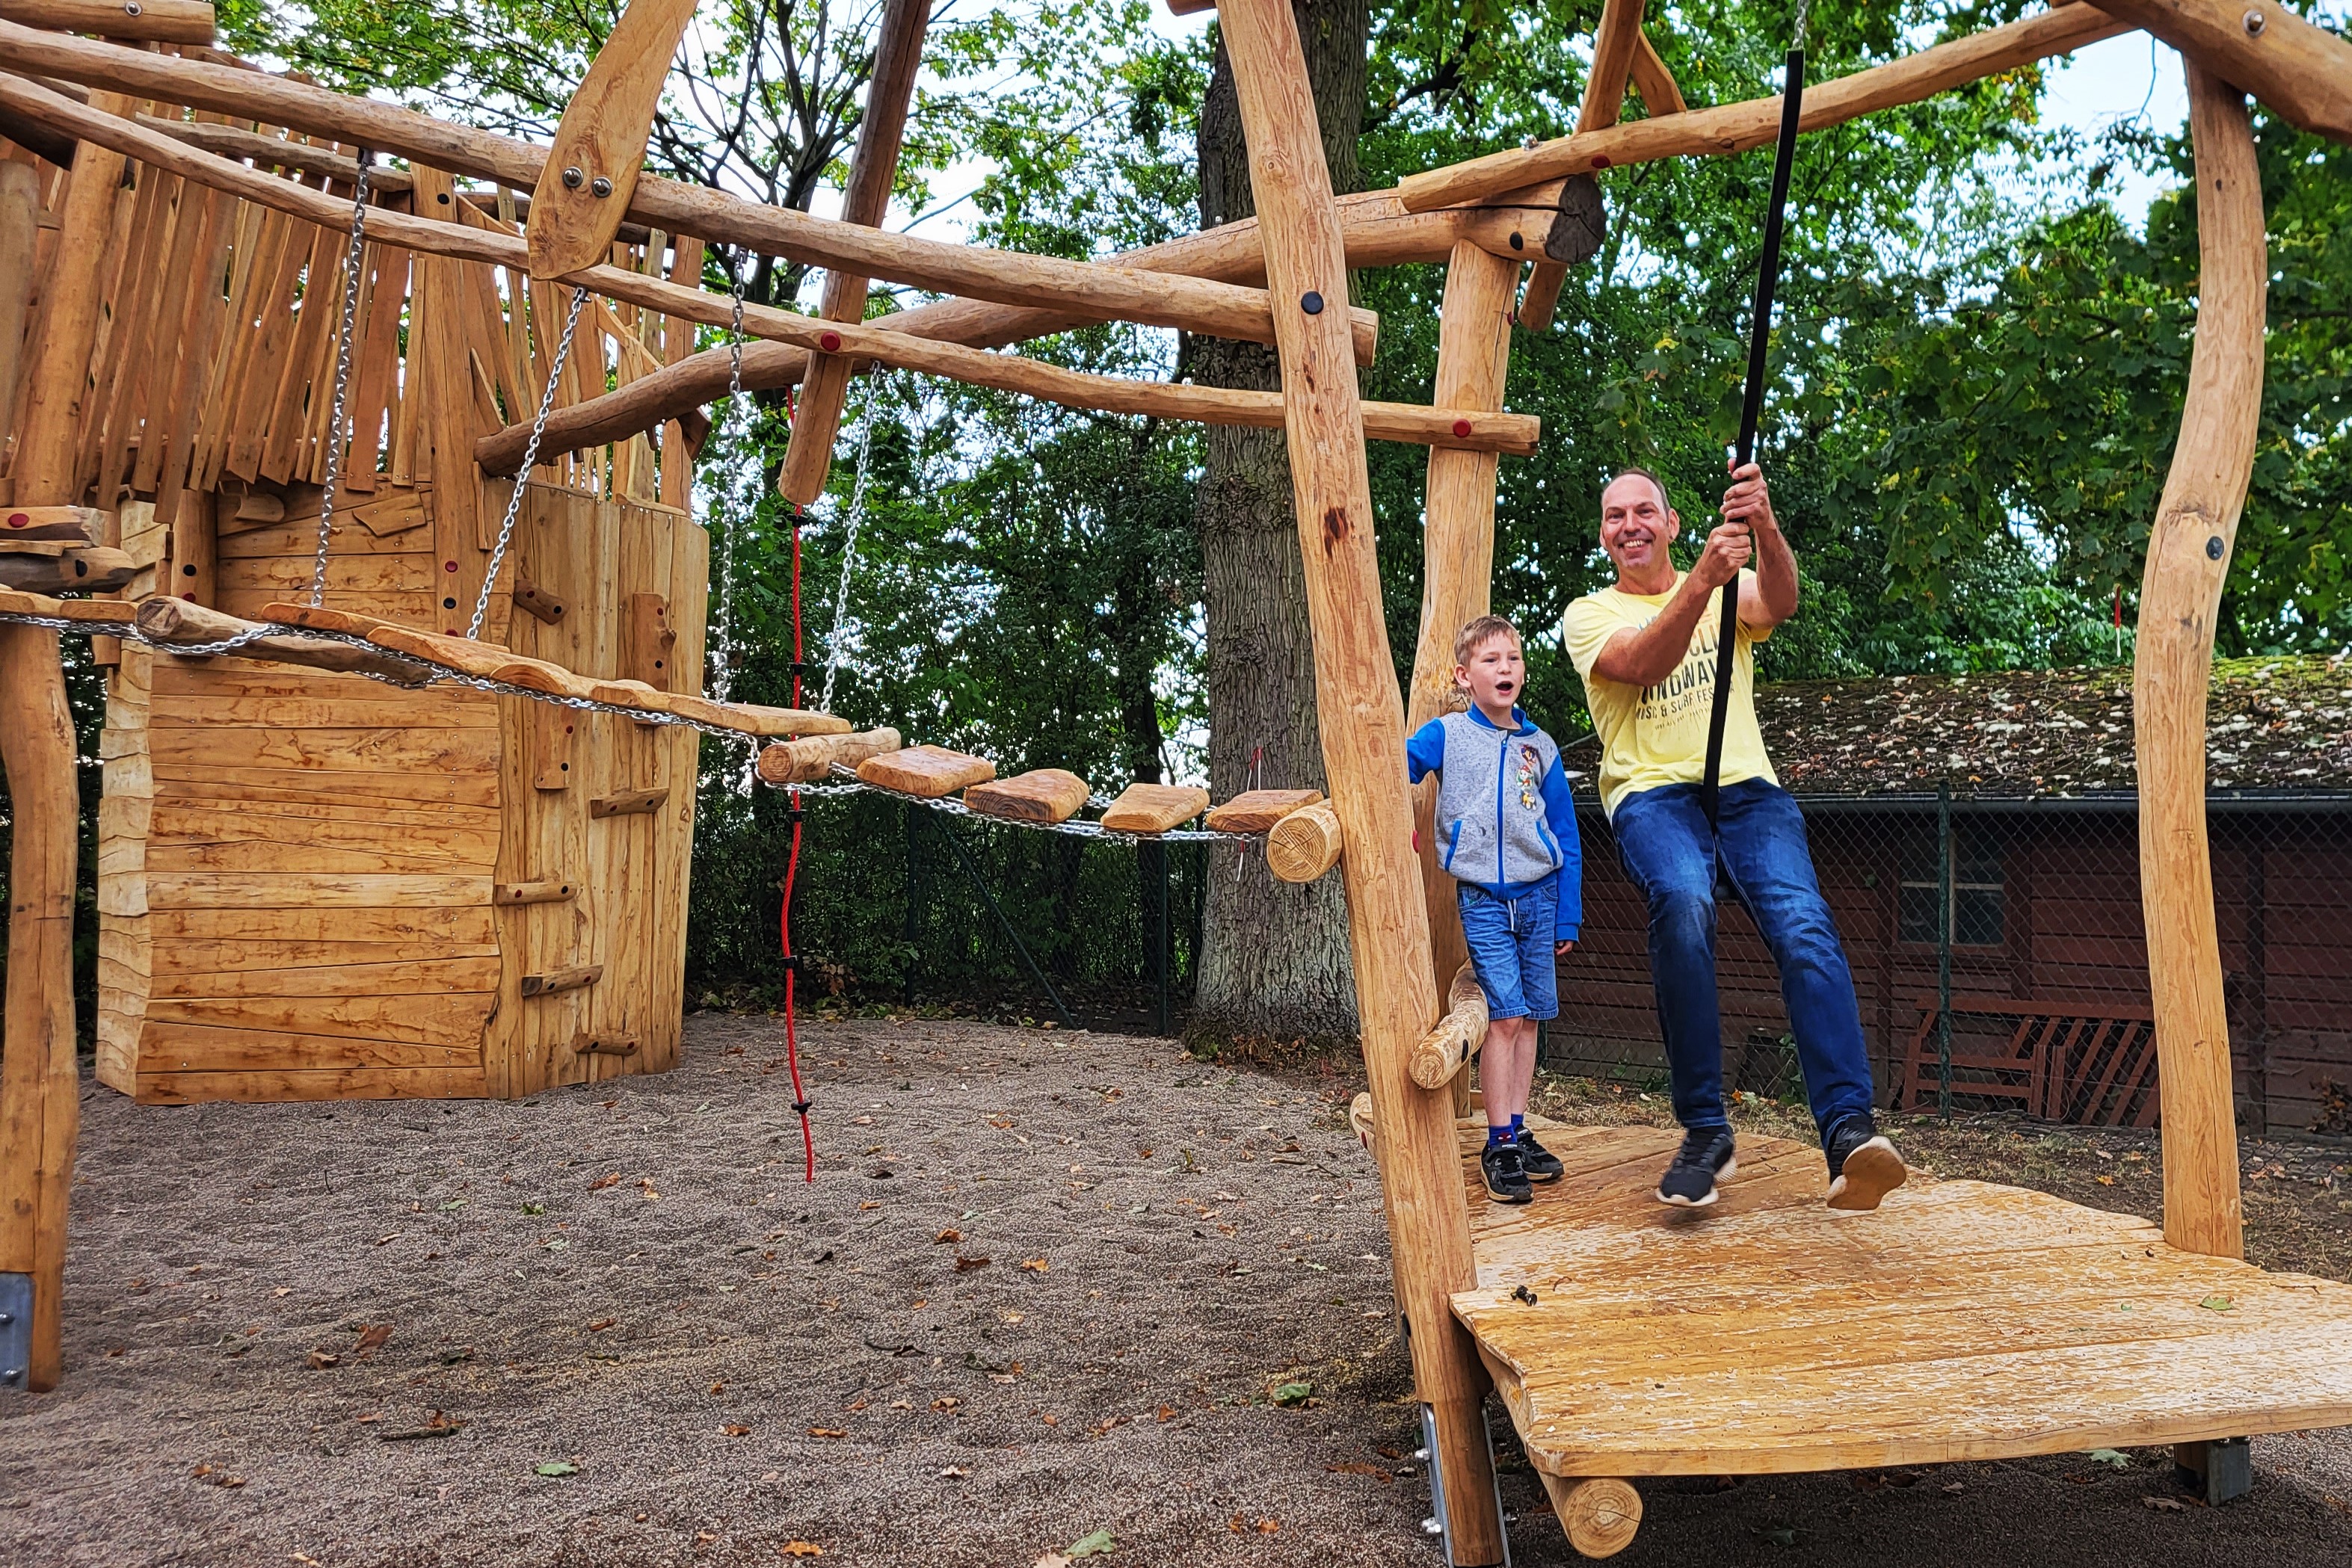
(147, 21)
(1454, 1038)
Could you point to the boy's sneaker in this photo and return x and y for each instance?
(1507, 1179)
(1540, 1162)
(1864, 1167)
(1704, 1159)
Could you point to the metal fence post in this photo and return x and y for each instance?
(1943, 949)
(914, 903)
(1161, 953)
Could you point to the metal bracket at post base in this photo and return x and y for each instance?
(15, 1329)
(1440, 1523)
(2220, 1470)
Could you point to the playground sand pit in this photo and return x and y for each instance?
(1051, 1291)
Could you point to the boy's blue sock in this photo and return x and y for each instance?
(1517, 1123)
(1496, 1134)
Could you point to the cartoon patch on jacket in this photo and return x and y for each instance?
(1530, 773)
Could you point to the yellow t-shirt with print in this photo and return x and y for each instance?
(1652, 735)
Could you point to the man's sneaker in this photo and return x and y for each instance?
(1864, 1167)
(1540, 1162)
(1507, 1179)
(1704, 1160)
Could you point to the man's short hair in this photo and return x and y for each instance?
(1476, 635)
(1638, 472)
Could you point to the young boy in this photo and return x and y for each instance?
(1506, 831)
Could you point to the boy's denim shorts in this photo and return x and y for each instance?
(1510, 948)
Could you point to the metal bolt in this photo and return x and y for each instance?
(1312, 302)
(2213, 547)
(599, 187)
(7, 1318)
(130, 7)
(574, 176)
(1431, 1526)
(12, 1376)
(2255, 22)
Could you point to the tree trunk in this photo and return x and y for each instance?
(1273, 959)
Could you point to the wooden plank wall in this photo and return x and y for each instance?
(297, 869)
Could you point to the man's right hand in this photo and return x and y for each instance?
(1729, 548)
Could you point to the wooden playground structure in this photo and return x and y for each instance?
(426, 830)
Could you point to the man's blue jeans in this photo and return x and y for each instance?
(1662, 840)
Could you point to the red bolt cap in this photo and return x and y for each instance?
(448, 566)
(18, 519)
(1462, 429)
(1601, 162)
(831, 341)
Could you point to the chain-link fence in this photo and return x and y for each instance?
(1999, 955)
(898, 903)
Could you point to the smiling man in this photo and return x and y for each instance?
(1647, 647)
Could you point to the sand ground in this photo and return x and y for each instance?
(1047, 1285)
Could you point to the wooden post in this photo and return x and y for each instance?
(1457, 553)
(40, 1103)
(1362, 724)
(2187, 560)
(873, 167)
(20, 211)
(1617, 43)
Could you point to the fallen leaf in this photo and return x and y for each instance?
(2115, 1457)
(719, 1388)
(601, 1325)
(953, 1472)
(557, 1467)
(946, 1403)
(1360, 1467)
(602, 1181)
(1165, 1412)
(826, 1432)
(1035, 1265)
(1954, 1489)
(1268, 1526)
(1290, 1395)
(1097, 1544)
(737, 1431)
(2105, 1180)
(949, 1236)
(322, 1359)
(2165, 1505)
(370, 1337)
(386, 1241)
(801, 1549)
(2217, 1304)
(966, 1265)
(1051, 1420)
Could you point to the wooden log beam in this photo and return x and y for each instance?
(2302, 71)
(96, 613)
(1617, 43)
(276, 152)
(2188, 562)
(1736, 126)
(592, 170)
(808, 456)
(1067, 292)
(1655, 82)
(1304, 845)
(1473, 429)
(93, 568)
(1453, 1040)
(70, 525)
(169, 622)
(20, 217)
(807, 762)
(1601, 1514)
(1361, 720)
(40, 1103)
(144, 22)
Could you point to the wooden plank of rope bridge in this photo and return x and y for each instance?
(889, 92)
(1041, 795)
(1306, 844)
(1255, 810)
(807, 762)
(1457, 553)
(1736, 126)
(591, 169)
(929, 772)
(2302, 71)
(147, 21)
(1155, 807)
(1617, 42)
(39, 1083)
(1362, 724)
(165, 620)
(2188, 562)
(1447, 1048)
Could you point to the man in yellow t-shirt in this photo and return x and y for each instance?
(1647, 647)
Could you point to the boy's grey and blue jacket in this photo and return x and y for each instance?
(1506, 819)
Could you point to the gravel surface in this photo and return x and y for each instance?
(1047, 1285)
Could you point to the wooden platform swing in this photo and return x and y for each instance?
(280, 815)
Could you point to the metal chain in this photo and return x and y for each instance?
(529, 455)
(849, 551)
(337, 422)
(722, 642)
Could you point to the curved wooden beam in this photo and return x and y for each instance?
(1736, 126)
(2188, 560)
(2305, 72)
(592, 170)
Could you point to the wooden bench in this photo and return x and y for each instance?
(2088, 1061)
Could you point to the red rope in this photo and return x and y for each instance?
(791, 870)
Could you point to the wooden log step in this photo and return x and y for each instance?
(929, 772)
(1599, 1513)
(571, 979)
(627, 803)
(510, 893)
(1255, 810)
(1041, 795)
(806, 761)
(1305, 844)
(1451, 1042)
(75, 525)
(603, 1045)
(1155, 807)
(537, 602)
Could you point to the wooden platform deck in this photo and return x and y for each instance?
(1962, 1321)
